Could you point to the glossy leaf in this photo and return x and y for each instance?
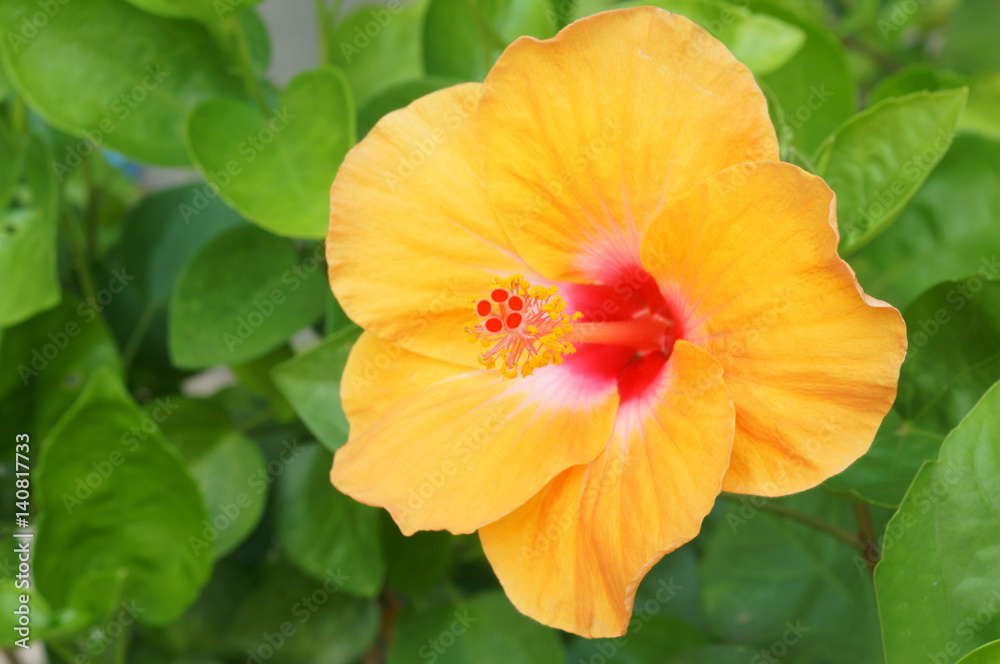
(223, 462)
(909, 257)
(379, 47)
(210, 11)
(277, 170)
(243, 294)
(323, 530)
(46, 361)
(28, 256)
(116, 499)
(165, 230)
(815, 87)
(879, 158)
(484, 629)
(988, 654)
(790, 590)
(311, 383)
(71, 70)
(305, 620)
(463, 38)
(938, 581)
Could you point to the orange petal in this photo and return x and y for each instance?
(749, 259)
(585, 136)
(412, 236)
(573, 556)
(443, 446)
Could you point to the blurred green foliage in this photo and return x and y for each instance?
(178, 528)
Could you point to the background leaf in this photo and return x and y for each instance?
(879, 158)
(240, 296)
(277, 170)
(73, 73)
(117, 501)
(936, 584)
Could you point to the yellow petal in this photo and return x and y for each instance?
(750, 259)
(443, 446)
(411, 233)
(585, 136)
(573, 556)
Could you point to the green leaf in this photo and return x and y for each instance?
(988, 654)
(47, 360)
(415, 564)
(879, 158)
(915, 78)
(209, 11)
(322, 530)
(908, 258)
(938, 582)
(982, 113)
(113, 74)
(970, 38)
(243, 294)
(484, 629)
(115, 498)
(255, 376)
(798, 594)
(718, 655)
(763, 43)
(223, 462)
(28, 257)
(277, 170)
(953, 358)
(650, 638)
(397, 97)
(311, 383)
(378, 47)
(166, 229)
(463, 38)
(10, 166)
(305, 620)
(815, 88)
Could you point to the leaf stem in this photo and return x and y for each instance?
(137, 335)
(866, 531)
(321, 21)
(235, 28)
(806, 519)
(79, 253)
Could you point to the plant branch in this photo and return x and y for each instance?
(79, 253)
(235, 28)
(866, 531)
(806, 519)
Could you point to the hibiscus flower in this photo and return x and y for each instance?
(656, 307)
